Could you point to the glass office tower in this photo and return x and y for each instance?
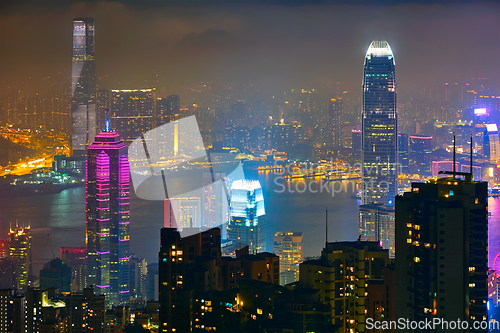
(83, 86)
(246, 226)
(379, 126)
(108, 183)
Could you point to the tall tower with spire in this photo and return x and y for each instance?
(107, 203)
(379, 126)
(83, 86)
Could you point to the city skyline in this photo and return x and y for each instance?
(180, 166)
(416, 68)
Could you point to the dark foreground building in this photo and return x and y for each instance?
(441, 246)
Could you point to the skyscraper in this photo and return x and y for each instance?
(442, 250)
(177, 282)
(132, 112)
(420, 155)
(379, 126)
(108, 182)
(167, 109)
(83, 86)
(247, 221)
(376, 224)
(336, 117)
(20, 253)
(491, 145)
(288, 247)
(342, 276)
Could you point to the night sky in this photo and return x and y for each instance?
(277, 44)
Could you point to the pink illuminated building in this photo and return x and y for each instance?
(108, 182)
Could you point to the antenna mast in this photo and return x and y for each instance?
(326, 228)
(454, 159)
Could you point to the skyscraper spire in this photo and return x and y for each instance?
(107, 121)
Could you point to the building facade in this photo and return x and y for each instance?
(83, 86)
(341, 276)
(108, 183)
(20, 254)
(379, 126)
(376, 224)
(420, 155)
(132, 112)
(442, 243)
(288, 247)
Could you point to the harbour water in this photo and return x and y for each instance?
(62, 216)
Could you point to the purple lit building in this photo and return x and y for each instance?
(108, 181)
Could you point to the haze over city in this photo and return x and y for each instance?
(249, 166)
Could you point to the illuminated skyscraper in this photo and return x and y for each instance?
(288, 247)
(420, 155)
(379, 126)
(491, 145)
(20, 253)
(83, 86)
(376, 224)
(246, 225)
(108, 182)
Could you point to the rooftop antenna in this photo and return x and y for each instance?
(107, 129)
(471, 170)
(454, 159)
(326, 227)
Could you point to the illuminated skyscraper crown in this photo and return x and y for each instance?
(379, 49)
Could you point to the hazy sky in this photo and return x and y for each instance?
(299, 44)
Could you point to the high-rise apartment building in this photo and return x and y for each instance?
(288, 247)
(177, 279)
(341, 276)
(167, 109)
(108, 182)
(376, 224)
(85, 311)
(83, 86)
(336, 118)
(20, 254)
(247, 219)
(138, 275)
(442, 251)
(379, 126)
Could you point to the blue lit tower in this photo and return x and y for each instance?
(108, 182)
(379, 126)
(247, 223)
(83, 86)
